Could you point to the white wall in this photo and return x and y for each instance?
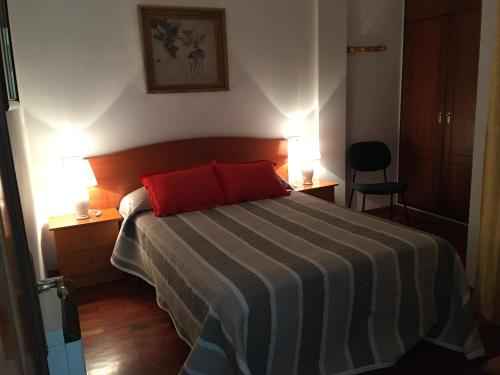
(331, 94)
(20, 153)
(374, 83)
(486, 52)
(80, 75)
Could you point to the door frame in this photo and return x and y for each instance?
(14, 213)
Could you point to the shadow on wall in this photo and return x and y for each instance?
(133, 118)
(331, 124)
(370, 15)
(278, 53)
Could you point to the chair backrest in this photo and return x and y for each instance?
(369, 156)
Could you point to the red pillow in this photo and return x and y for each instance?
(183, 190)
(249, 181)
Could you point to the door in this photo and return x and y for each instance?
(461, 5)
(423, 94)
(22, 349)
(421, 9)
(22, 339)
(463, 57)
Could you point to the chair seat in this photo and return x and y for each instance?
(381, 188)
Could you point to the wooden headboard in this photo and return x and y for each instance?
(117, 174)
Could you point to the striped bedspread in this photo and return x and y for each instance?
(297, 285)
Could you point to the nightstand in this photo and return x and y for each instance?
(320, 189)
(84, 247)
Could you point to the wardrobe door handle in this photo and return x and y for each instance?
(440, 117)
(448, 118)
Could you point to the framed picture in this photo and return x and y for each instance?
(184, 48)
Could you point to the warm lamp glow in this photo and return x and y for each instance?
(77, 175)
(297, 123)
(295, 159)
(77, 172)
(303, 148)
(311, 148)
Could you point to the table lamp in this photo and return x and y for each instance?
(78, 176)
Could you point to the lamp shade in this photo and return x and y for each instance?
(311, 149)
(295, 158)
(77, 172)
(88, 177)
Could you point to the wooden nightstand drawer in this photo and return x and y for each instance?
(326, 193)
(84, 247)
(320, 189)
(86, 279)
(75, 239)
(85, 261)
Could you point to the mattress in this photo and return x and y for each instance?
(298, 285)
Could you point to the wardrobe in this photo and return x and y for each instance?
(438, 105)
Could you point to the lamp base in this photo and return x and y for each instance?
(308, 176)
(82, 208)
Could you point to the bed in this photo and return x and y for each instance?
(290, 285)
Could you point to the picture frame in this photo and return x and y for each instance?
(184, 48)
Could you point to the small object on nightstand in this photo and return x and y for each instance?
(84, 246)
(320, 189)
(95, 213)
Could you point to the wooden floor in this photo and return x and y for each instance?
(125, 332)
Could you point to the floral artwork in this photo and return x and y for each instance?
(169, 34)
(184, 49)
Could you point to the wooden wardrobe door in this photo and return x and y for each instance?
(422, 99)
(421, 9)
(463, 56)
(461, 5)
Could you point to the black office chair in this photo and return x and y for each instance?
(370, 157)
